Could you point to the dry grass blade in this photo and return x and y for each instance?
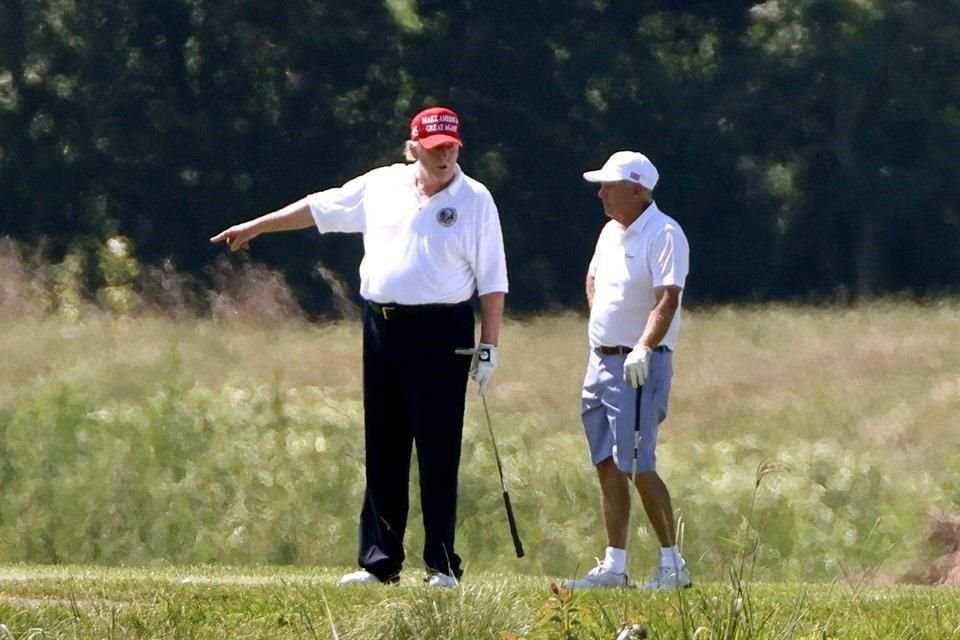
(766, 468)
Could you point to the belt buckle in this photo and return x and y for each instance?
(385, 312)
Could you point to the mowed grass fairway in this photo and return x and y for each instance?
(227, 602)
(230, 453)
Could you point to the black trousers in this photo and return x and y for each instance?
(414, 388)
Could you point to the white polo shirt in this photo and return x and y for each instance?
(439, 250)
(627, 265)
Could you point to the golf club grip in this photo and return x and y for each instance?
(517, 545)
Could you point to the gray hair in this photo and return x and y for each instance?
(411, 150)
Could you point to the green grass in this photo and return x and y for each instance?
(206, 602)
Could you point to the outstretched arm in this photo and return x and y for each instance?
(290, 218)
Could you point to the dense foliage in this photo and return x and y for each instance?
(808, 146)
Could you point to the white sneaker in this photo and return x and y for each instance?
(360, 577)
(599, 577)
(441, 580)
(668, 578)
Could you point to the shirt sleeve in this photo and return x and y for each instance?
(490, 263)
(669, 256)
(340, 209)
(595, 260)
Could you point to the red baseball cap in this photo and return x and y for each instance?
(435, 126)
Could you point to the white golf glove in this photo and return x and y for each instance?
(483, 364)
(636, 366)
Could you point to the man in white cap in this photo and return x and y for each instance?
(431, 237)
(634, 287)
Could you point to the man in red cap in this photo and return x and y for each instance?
(432, 238)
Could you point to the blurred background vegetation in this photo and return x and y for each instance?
(807, 146)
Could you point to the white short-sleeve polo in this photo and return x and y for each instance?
(438, 250)
(627, 265)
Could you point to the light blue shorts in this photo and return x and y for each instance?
(608, 409)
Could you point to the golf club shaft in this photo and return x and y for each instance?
(514, 533)
(493, 440)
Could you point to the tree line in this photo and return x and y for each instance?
(807, 146)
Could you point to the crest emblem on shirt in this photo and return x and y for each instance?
(447, 217)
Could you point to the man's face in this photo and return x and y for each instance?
(441, 161)
(620, 199)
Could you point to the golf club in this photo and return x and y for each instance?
(517, 545)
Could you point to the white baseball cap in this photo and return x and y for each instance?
(626, 165)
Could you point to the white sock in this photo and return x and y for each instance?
(615, 560)
(670, 557)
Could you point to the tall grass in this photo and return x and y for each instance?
(167, 437)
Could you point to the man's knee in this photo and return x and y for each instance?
(610, 476)
(649, 481)
(607, 466)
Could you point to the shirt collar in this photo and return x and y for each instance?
(640, 223)
(453, 188)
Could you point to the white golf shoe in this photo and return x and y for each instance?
(360, 577)
(665, 578)
(599, 578)
(441, 580)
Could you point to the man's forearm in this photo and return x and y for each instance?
(292, 217)
(658, 322)
(491, 317)
(660, 317)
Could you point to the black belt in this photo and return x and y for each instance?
(619, 351)
(390, 311)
